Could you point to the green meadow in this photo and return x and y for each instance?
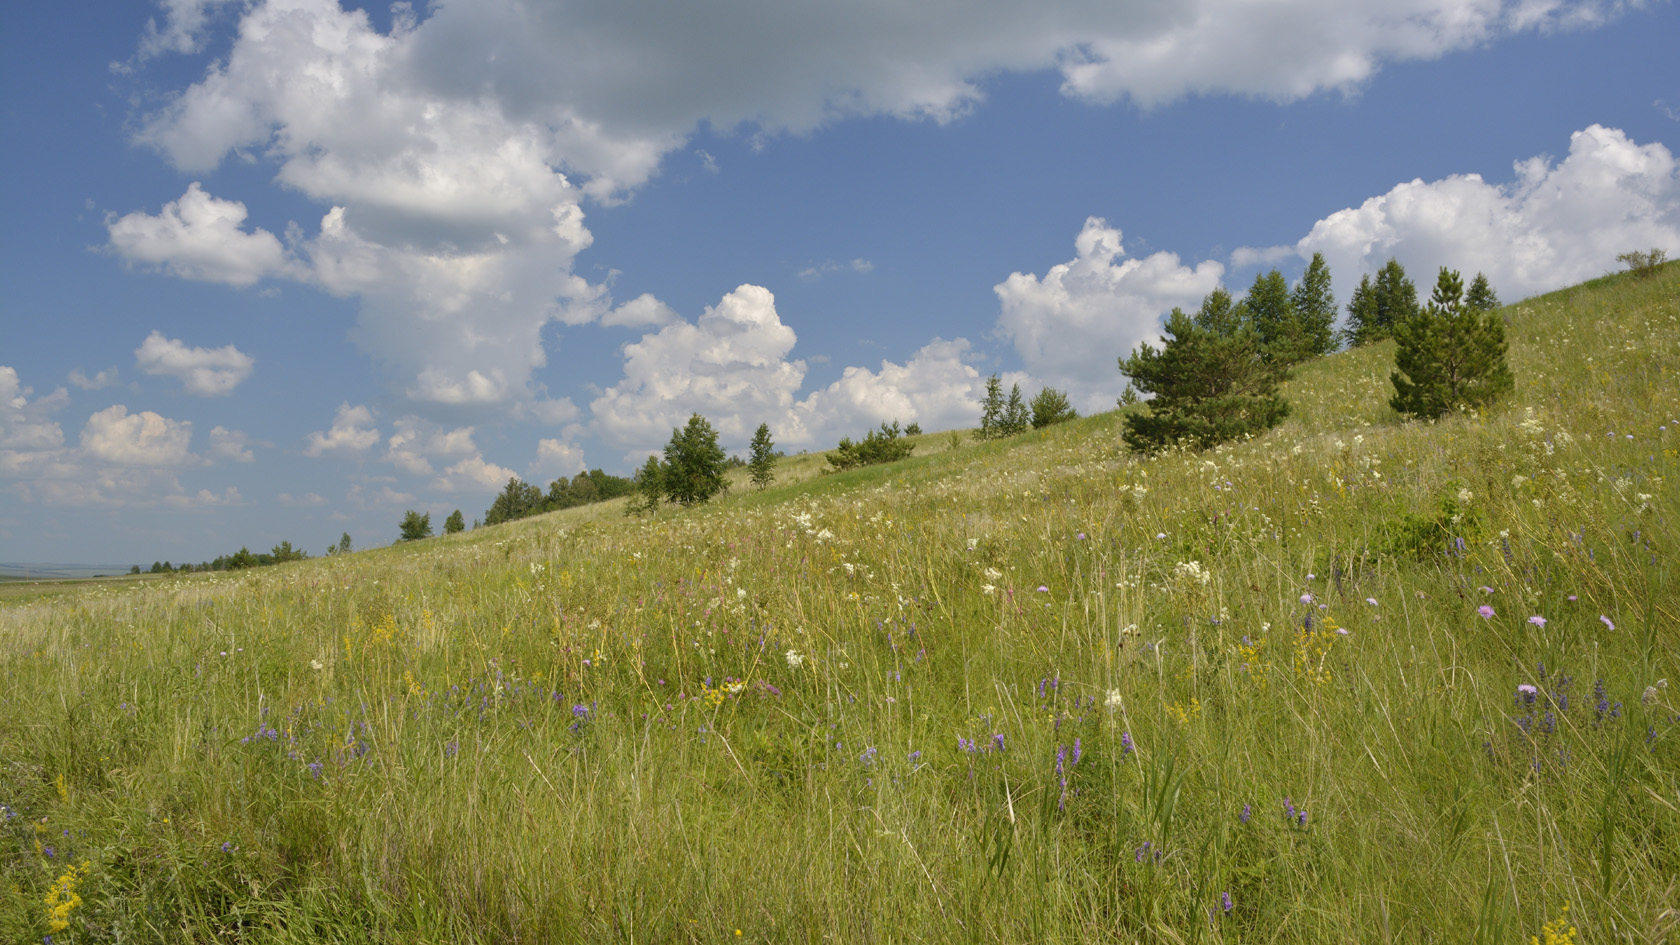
(1356, 680)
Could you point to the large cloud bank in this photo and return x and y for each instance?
(451, 156)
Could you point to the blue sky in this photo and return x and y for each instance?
(280, 269)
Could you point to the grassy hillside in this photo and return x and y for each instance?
(1356, 680)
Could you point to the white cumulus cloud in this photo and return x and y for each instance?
(99, 381)
(730, 366)
(352, 431)
(25, 423)
(230, 445)
(1072, 326)
(473, 474)
(555, 458)
(1553, 225)
(414, 442)
(207, 372)
(115, 436)
(199, 237)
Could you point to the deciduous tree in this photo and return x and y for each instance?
(694, 463)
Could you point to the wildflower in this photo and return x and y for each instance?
(1247, 812)
(62, 898)
(1607, 622)
(795, 659)
(1485, 611)
(1042, 589)
(1113, 701)
(1572, 598)
(1371, 600)
(1526, 694)
(1225, 902)
(1077, 751)
(1556, 932)
(998, 740)
(1125, 744)
(1306, 598)
(1537, 620)
(1485, 589)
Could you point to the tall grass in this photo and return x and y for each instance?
(1040, 690)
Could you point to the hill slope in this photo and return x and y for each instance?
(1354, 679)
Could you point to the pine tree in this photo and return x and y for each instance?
(763, 461)
(1481, 297)
(1016, 419)
(1270, 311)
(991, 409)
(1449, 355)
(1208, 388)
(1218, 314)
(694, 463)
(1376, 307)
(1315, 306)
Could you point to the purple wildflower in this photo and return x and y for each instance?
(1077, 751)
(1247, 812)
(1306, 598)
(1485, 611)
(1537, 620)
(1607, 622)
(1225, 902)
(997, 740)
(1125, 744)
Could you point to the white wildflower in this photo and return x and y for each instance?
(794, 658)
(1113, 701)
(988, 589)
(1192, 572)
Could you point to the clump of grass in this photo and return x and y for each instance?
(1034, 690)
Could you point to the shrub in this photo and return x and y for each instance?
(882, 446)
(1051, 406)
(1643, 265)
